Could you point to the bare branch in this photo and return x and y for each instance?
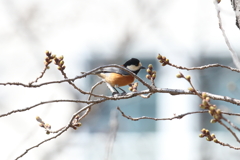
(46, 140)
(45, 102)
(229, 122)
(160, 119)
(41, 75)
(233, 53)
(228, 145)
(62, 131)
(229, 129)
(231, 114)
(204, 67)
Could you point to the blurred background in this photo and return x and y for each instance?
(92, 33)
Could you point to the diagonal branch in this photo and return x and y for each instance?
(61, 132)
(233, 53)
(229, 129)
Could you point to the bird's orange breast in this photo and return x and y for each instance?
(119, 80)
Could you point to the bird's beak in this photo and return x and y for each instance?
(143, 67)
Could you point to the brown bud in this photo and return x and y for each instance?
(47, 59)
(211, 112)
(159, 57)
(61, 63)
(41, 125)
(213, 121)
(164, 64)
(207, 131)
(150, 66)
(46, 63)
(149, 71)
(191, 89)
(78, 124)
(213, 135)
(218, 111)
(130, 88)
(153, 76)
(167, 61)
(204, 95)
(216, 116)
(203, 130)
(204, 103)
(48, 53)
(154, 72)
(75, 128)
(135, 85)
(134, 90)
(53, 56)
(48, 126)
(208, 138)
(60, 58)
(215, 140)
(207, 99)
(188, 78)
(202, 106)
(39, 119)
(201, 135)
(77, 117)
(148, 76)
(179, 76)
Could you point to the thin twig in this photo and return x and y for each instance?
(229, 129)
(41, 75)
(160, 119)
(46, 102)
(89, 109)
(204, 67)
(46, 140)
(62, 131)
(228, 145)
(230, 114)
(229, 122)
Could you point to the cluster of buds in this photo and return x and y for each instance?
(44, 125)
(133, 87)
(59, 62)
(209, 137)
(49, 58)
(180, 75)
(163, 60)
(76, 123)
(212, 109)
(151, 73)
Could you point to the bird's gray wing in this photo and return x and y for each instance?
(111, 70)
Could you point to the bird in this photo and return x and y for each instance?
(115, 77)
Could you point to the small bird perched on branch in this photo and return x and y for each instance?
(116, 77)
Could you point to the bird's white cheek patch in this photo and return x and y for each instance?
(133, 67)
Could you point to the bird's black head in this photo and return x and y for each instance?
(134, 65)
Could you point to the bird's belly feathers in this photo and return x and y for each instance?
(117, 80)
